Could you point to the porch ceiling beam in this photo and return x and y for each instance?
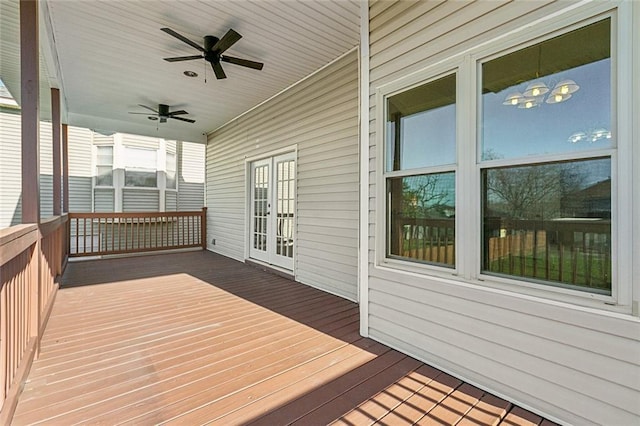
(30, 108)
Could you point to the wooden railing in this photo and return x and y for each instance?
(31, 256)
(430, 240)
(98, 234)
(571, 251)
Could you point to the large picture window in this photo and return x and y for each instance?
(513, 186)
(420, 173)
(141, 167)
(546, 128)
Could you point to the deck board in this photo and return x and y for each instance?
(195, 338)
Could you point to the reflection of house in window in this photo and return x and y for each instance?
(591, 202)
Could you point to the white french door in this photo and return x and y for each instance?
(273, 210)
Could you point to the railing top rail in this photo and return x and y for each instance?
(16, 231)
(134, 215)
(49, 225)
(15, 240)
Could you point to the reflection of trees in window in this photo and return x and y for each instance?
(426, 196)
(530, 192)
(422, 210)
(550, 222)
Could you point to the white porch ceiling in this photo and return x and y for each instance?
(109, 57)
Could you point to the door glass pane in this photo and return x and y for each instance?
(261, 200)
(285, 208)
(549, 98)
(550, 223)
(422, 218)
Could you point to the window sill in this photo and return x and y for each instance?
(425, 275)
(141, 188)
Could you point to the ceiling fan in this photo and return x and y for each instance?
(212, 51)
(163, 113)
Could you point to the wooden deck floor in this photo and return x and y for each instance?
(195, 338)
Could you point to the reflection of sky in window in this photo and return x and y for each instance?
(510, 132)
(429, 138)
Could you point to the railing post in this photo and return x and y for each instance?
(203, 228)
(65, 168)
(56, 136)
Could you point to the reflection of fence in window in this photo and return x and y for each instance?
(575, 252)
(429, 240)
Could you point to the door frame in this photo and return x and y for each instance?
(291, 149)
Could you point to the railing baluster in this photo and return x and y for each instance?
(92, 236)
(136, 232)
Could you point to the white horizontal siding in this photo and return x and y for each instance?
(103, 201)
(138, 141)
(80, 171)
(10, 169)
(577, 365)
(46, 170)
(170, 201)
(11, 166)
(191, 176)
(319, 116)
(140, 200)
(99, 139)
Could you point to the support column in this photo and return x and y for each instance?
(30, 118)
(65, 168)
(55, 127)
(30, 109)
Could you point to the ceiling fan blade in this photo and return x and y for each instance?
(227, 40)
(149, 108)
(219, 72)
(188, 120)
(140, 113)
(180, 112)
(183, 58)
(243, 62)
(182, 38)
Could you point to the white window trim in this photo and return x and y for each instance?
(442, 69)
(468, 262)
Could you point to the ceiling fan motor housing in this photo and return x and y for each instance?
(163, 110)
(209, 42)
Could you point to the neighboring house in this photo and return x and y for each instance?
(114, 173)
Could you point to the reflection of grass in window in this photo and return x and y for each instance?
(578, 268)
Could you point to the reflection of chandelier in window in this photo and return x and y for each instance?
(536, 92)
(591, 136)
